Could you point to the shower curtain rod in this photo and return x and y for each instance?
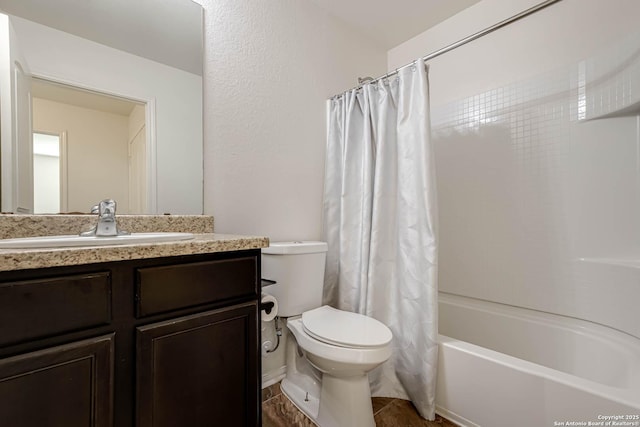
(460, 42)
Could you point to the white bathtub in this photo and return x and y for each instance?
(507, 366)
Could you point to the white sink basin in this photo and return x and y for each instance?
(72, 241)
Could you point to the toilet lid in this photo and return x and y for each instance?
(344, 328)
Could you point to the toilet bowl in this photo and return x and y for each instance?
(329, 352)
(341, 343)
(341, 348)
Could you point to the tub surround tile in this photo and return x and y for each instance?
(21, 259)
(15, 226)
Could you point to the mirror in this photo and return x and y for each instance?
(107, 136)
(119, 49)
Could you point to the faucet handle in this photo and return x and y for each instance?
(106, 226)
(102, 205)
(107, 210)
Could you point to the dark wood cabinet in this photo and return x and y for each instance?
(198, 370)
(68, 386)
(160, 342)
(51, 306)
(165, 288)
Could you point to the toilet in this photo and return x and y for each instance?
(329, 352)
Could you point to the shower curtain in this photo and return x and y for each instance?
(380, 225)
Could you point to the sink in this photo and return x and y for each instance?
(74, 241)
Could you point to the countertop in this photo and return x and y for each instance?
(15, 226)
(22, 259)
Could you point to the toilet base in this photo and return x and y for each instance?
(345, 402)
(329, 401)
(342, 402)
(307, 400)
(301, 383)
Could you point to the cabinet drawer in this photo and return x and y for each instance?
(51, 306)
(166, 288)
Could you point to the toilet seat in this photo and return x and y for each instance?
(350, 355)
(345, 329)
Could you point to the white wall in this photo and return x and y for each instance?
(97, 152)
(177, 95)
(539, 188)
(465, 23)
(269, 68)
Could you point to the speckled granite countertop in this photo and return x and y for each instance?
(205, 241)
(22, 259)
(15, 226)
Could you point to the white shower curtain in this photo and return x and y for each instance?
(380, 224)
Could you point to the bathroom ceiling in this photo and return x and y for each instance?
(393, 22)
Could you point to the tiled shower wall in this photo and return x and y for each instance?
(539, 177)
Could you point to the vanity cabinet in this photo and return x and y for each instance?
(196, 370)
(68, 385)
(159, 342)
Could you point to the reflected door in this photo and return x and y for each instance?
(137, 161)
(49, 173)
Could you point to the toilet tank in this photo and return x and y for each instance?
(298, 269)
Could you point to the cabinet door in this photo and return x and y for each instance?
(64, 386)
(200, 370)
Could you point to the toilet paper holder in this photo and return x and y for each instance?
(267, 306)
(266, 282)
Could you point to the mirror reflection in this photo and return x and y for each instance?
(104, 152)
(48, 189)
(128, 120)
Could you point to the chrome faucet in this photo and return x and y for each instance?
(107, 225)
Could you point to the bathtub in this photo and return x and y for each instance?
(507, 366)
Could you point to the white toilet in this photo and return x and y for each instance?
(329, 351)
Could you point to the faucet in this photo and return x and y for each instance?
(106, 225)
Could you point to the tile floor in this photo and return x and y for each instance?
(278, 411)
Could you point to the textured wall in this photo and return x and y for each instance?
(269, 67)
